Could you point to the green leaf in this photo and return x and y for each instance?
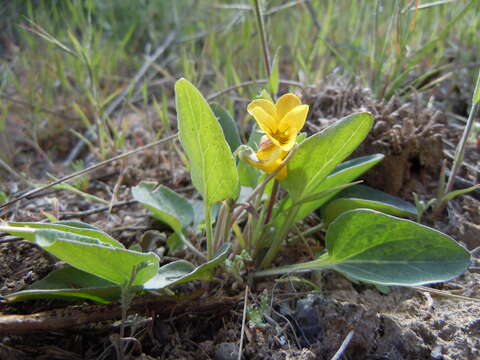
(165, 204)
(362, 196)
(345, 173)
(73, 227)
(374, 247)
(69, 283)
(228, 125)
(370, 246)
(91, 254)
(212, 164)
(181, 271)
(318, 155)
(453, 194)
(342, 175)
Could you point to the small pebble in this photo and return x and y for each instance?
(226, 351)
(437, 353)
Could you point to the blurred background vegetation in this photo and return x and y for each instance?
(63, 62)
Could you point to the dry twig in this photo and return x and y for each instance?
(73, 316)
(344, 346)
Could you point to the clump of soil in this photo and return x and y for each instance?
(408, 133)
(22, 264)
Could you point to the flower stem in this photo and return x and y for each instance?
(271, 201)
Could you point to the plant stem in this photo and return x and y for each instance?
(310, 231)
(263, 36)
(261, 226)
(460, 151)
(271, 201)
(219, 225)
(208, 224)
(277, 241)
(258, 227)
(222, 225)
(228, 222)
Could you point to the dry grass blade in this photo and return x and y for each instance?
(41, 32)
(445, 294)
(244, 319)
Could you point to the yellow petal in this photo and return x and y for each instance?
(271, 158)
(269, 154)
(266, 122)
(286, 103)
(295, 118)
(266, 105)
(271, 167)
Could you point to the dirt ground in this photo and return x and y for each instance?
(402, 323)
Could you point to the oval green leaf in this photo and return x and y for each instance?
(73, 227)
(181, 271)
(165, 204)
(212, 165)
(92, 255)
(382, 249)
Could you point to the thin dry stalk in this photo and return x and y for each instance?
(89, 169)
(344, 346)
(244, 319)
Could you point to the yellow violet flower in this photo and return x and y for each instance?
(281, 121)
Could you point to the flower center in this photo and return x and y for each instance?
(282, 137)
